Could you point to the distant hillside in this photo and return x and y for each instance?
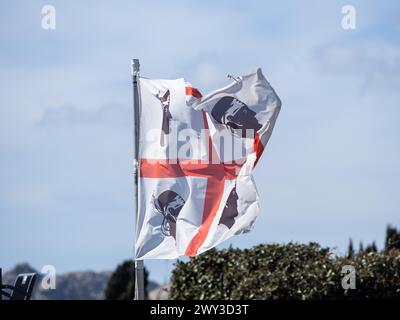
(81, 285)
(73, 285)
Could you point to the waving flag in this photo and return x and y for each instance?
(196, 159)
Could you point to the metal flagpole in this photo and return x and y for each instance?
(139, 265)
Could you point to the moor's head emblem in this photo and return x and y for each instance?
(169, 204)
(166, 115)
(236, 115)
(230, 211)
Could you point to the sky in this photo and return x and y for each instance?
(330, 172)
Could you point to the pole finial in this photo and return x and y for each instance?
(233, 77)
(135, 66)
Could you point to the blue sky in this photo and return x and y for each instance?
(331, 170)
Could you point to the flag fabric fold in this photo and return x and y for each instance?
(196, 158)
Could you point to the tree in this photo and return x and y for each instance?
(350, 250)
(361, 248)
(122, 282)
(371, 248)
(392, 240)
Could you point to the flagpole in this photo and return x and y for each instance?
(139, 265)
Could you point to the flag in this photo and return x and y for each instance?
(196, 157)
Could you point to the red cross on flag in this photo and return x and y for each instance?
(196, 157)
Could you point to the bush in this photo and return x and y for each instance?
(292, 271)
(378, 275)
(121, 285)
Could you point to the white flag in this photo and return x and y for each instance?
(196, 159)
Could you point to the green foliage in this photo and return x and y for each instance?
(371, 248)
(292, 271)
(392, 240)
(350, 250)
(377, 274)
(122, 282)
